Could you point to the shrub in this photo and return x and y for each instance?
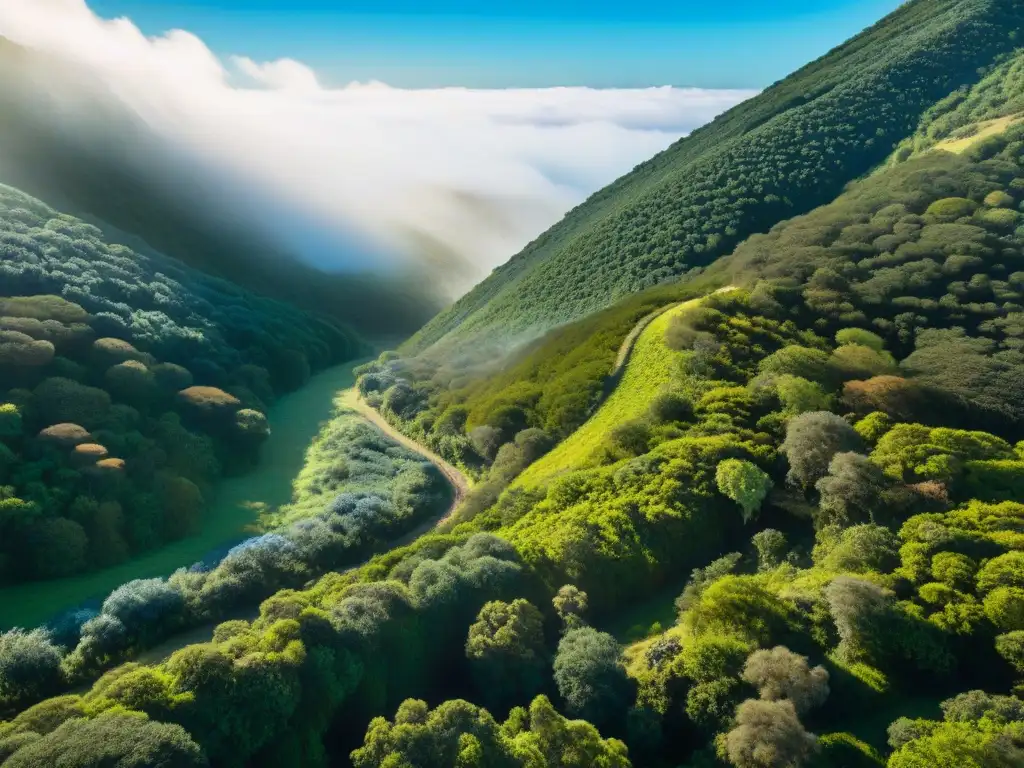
(768, 734)
(43, 307)
(853, 361)
(954, 570)
(844, 750)
(950, 209)
(873, 426)
(771, 546)
(63, 400)
(744, 483)
(18, 350)
(862, 549)
(668, 407)
(893, 396)
(110, 467)
(860, 337)
(852, 490)
(972, 706)
(145, 607)
(107, 352)
(590, 677)
(999, 199)
(812, 439)
(958, 744)
(1003, 219)
(1011, 647)
(114, 739)
(779, 674)
(132, 382)
(1004, 607)
(1006, 570)
(571, 606)
(208, 400)
(64, 435)
(506, 651)
(486, 440)
(29, 667)
(804, 362)
(88, 453)
(799, 395)
(858, 608)
(631, 438)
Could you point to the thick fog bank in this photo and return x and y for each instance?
(364, 178)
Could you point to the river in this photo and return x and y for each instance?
(294, 420)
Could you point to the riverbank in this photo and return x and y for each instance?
(295, 421)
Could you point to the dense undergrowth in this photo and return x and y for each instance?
(966, 112)
(877, 557)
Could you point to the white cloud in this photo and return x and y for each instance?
(283, 74)
(462, 176)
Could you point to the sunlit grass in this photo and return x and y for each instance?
(984, 130)
(648, 370)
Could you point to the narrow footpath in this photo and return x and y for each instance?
(459, 482)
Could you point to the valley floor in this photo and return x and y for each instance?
(294, 421)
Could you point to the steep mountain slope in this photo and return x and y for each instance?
(779, 154)
(69, 141)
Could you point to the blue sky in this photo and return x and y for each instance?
(529, 43)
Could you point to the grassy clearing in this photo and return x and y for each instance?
(983, 131)
(649, 368)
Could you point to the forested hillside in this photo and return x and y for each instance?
(970, 114)
(129, 384)
(782, 153)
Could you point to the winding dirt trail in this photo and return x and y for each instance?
(351, 399)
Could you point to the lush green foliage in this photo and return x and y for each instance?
(967, 114)
(940, 293)
(460, 734)
(506, 649)
(872, 421)
(130, 384)
(356, 494)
